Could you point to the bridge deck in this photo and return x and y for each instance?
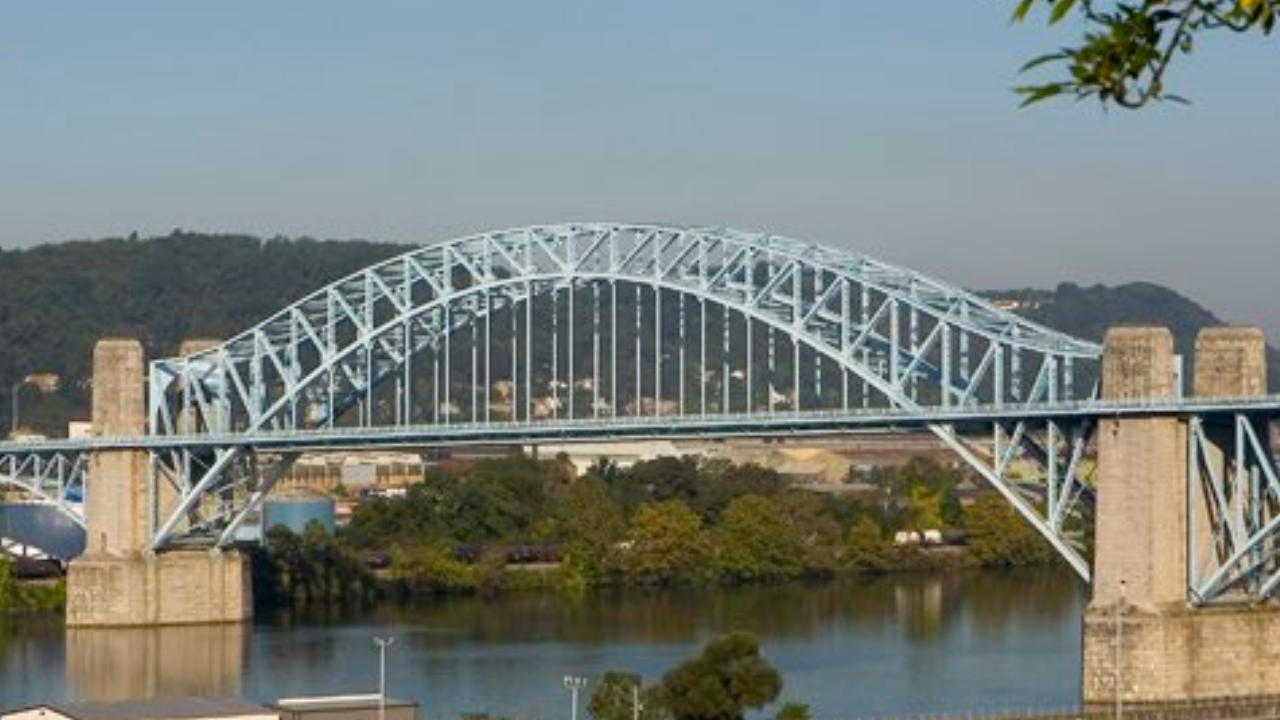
(826, 422)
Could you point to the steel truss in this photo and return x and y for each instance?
(580, 317)
(1233, 509)
(55, 477)
(609, 330)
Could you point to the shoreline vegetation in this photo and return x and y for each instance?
(30, 596)
(519, 524)
(522, 524)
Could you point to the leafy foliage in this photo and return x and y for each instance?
(867, 548)
(24, 597)
(793, 711)
(728, 678)
(311, 569)
(999, 538)
(756, 541)
(707, 521)
(615, 695)
(666, 543)
(1128, 46)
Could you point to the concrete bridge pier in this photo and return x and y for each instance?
(118, 581)
(1144, 643)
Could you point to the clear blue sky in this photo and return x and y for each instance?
(886, 127)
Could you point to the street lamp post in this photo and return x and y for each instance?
(575, 684)
(383, 644)
(636, 705)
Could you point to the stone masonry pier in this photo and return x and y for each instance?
(118, 581)
(1143, 641)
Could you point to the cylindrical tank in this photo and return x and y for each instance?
(41, 526)
(297, 513)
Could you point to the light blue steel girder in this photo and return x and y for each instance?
(969, 421)
(612, 331)
(518, 336)
(911, 343)
(48, 475)
(1233, 502)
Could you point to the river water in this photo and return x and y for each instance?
(900, 645)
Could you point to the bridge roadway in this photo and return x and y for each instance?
(769, 424)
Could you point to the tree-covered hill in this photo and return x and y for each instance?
(57, 300)
(1087, 312)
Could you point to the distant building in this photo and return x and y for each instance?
(152, 709)
(346, 707)
(79, 430)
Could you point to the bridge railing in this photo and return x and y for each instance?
(852, 418)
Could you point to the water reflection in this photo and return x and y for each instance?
(855, 647)
(117, 664)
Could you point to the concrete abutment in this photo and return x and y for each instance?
(1143, 641)
(118, 581)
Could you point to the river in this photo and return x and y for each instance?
(860, 647)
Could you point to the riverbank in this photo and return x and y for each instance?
(30, 595)
(659, 523)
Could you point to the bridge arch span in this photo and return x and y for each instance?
(551, 324)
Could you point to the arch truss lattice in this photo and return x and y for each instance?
(577, 329)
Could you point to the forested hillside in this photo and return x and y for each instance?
(1087, 312)
(57, 300)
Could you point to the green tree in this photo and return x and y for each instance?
(814, 521)
(665, 543)
(725, 680)
(1129, 45)
(999, 537)
(614, 697)
(590, 522)
(793, 711)
(664, 478)
(433, 569)
(720, 481)
(312, 568)
(755, 541)
(866, 547)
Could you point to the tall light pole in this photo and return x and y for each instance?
(383, 644)
(575, 684)
(636, 705)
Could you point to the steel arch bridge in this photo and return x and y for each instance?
(590, 331)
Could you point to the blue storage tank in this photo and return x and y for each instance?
(43, 527)
(297, 513)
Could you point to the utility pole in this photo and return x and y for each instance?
(383, 644)
(636, 706)
(575, 684)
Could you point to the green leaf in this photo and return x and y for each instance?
(1037, 62)
(1060, 10)
(1039, 93)
(1020, 12)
